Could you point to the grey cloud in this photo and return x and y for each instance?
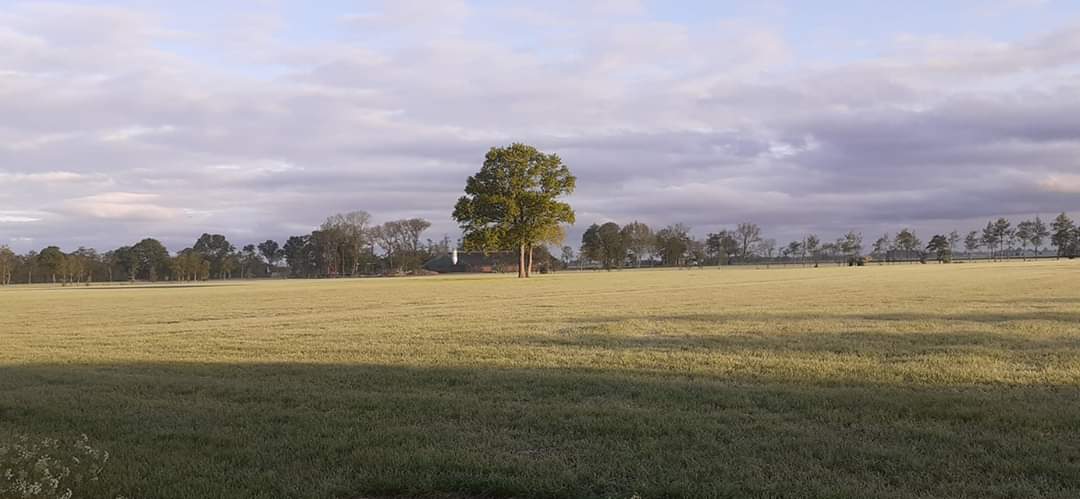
(108, 137)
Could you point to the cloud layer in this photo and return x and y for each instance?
(124, 122)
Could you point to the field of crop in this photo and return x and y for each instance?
(884, 381)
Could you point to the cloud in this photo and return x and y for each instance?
(122, 123)
(14, 217)
(123, 206)
(1066, 183)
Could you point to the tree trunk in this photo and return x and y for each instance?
(521, 261)
(528, 262)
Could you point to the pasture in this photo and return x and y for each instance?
(884, 381)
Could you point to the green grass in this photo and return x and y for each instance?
(883, 381)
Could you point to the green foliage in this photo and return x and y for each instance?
(639, 240)
(1064, 235)
(605, 244)
(216, 249)
(513, 201)
(940, 247)
(51, 260)
(722, 246)
(673, 244)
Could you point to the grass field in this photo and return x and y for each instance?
(883, 381)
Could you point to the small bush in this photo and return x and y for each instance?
(47, 468)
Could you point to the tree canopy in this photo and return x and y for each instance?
(513, 201)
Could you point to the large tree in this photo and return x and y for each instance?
(513, 201)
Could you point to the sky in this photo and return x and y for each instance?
(131, 119)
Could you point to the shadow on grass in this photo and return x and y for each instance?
(306, 430)
(806, 342)
(1070, 318)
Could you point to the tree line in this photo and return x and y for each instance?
(610, 246)
(345, 245)
(513, 204)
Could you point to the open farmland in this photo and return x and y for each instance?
(886, 381)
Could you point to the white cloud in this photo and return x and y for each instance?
(123, 206)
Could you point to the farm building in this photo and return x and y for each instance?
(473, 261)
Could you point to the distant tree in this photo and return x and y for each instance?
(567, 255)
(605, 244)
(939, 246)
(908, 242)
(851, 244)
(1002, 234)
(748, 235)
(81, 264)
(954, 241)
(592, 248)
(400, 241)
(325, 252)
(881, 248)
(271, 253)
(189, 265)
(51, 261)
(972, 242)
(673, 244)
(1063, 235)
(1024, 232)
(153, 259)
(1039, 233)
(722, 246)
(639, 240)
(830, 251)
(347, 234)
(793, 249)
(8, 261)
(812, 246)
(216, 250)
(696, 253)
(249, 261)
(298, 256)
(766, 248)
(513, 201)
(990, 238)
(28, 264)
